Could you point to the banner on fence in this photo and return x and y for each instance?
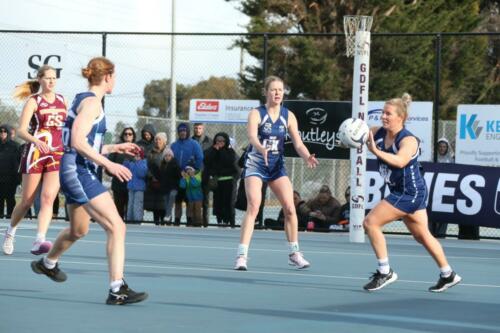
(458, 193)
(221, 110)
(318, 123)
(478, 135)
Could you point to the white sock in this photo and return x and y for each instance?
(115, 285)
(243, 250)
(11, 231)
(50, 264)
(383, 266)
(445, 271)
(40, 238)
(293, 247)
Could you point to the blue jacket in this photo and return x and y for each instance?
(188, 152)
(139, 171)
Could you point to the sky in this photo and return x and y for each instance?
(138, 59)
(122, 15)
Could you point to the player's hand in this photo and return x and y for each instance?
(311, 161)
(119, 171)
(127, 148)
(370, 143)
(264, 152)
(42, 147)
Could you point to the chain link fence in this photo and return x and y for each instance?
(143, 66)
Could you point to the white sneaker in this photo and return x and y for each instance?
(297, 259)
(41, 247)
(241, 263)
(8, 244)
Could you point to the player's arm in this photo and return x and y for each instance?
(407, 149)
(300, 148)
(252, 133)
(24, 121)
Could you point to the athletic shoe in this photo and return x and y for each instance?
(41, 247)
(445, 283)
(125, 295)
(55, 274)
(241, 263)
(379, 280)
(8, 244)
(297, 259)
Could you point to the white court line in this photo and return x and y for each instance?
(305, 274)
(225, 248)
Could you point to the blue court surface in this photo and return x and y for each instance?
(188, 274)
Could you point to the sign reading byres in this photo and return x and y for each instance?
(458, 193)
(318, 123)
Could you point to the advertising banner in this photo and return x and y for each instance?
(220, 110)
(458, 193)
(478, 135)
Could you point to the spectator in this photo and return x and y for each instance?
(187, 152)
(222, 171)
(10, 154)
(191, 183)
(345, 211)
(205, 143)
(136, 186)
(169, 175)
(302, 216)
(323, 210)
(154, 199)
(445, 152)
(119, 188)
(146, 142)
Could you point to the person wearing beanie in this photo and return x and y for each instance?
(187, 152)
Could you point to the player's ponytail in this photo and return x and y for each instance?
(30, 87)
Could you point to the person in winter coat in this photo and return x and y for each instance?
(222, 171)
(191, 183)
(136, 186)
(10, 155)
(146, 142)
(445, 152)
(187, 152)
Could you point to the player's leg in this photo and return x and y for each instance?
(79, 221)
(102, 209)
(49, 191)
(30, 183)
(417, 224)
(283, 189)
(379, 216)
(253, 186)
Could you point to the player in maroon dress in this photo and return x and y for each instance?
(40, 125)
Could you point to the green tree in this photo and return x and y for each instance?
(157, 92)
(316, 67)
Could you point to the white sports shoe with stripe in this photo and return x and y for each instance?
(297, 259)
(8, 244)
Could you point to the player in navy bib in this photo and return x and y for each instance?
(397, 150)
(80, 175)
(268, 126)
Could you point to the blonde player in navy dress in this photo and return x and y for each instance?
(397, 150)
(268, 126)
(40, 125)
(81, 183)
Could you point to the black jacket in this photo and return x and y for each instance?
(10, 157)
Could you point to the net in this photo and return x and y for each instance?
(352, 24)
